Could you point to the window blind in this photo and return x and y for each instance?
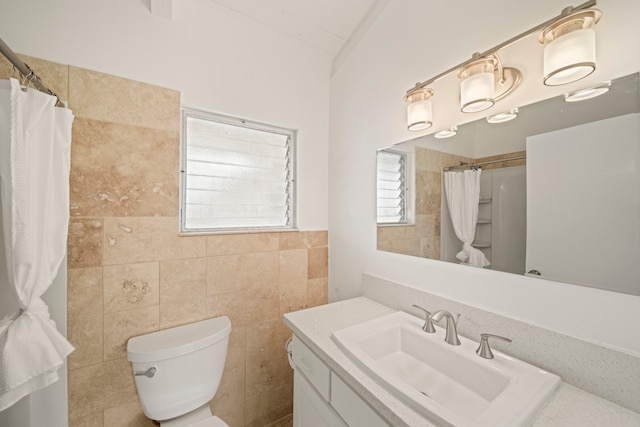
(237, 175)
(391, 187)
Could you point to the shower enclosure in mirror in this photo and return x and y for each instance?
(559, 193)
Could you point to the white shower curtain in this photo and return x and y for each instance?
(35, 145)
(462, 189)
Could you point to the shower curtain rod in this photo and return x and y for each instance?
(488, 162)
(27, 72)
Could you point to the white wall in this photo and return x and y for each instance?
(219, 61)
(413, 40)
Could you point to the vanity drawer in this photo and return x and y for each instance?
(311, 367)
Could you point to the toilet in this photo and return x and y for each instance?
(178, 370)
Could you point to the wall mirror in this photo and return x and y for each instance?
(572, 171)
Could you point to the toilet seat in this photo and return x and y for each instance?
(209, 422)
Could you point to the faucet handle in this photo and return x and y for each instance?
(484, 350)
(428, 323)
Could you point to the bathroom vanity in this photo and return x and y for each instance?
(331, 389)
(321, 397)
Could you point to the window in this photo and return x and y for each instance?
(236, 175)
(392, 187)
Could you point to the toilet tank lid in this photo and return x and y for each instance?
(176, 341)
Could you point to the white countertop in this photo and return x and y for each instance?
(569, 406)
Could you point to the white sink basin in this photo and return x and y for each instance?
(450, 385)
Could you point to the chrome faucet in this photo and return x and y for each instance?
(451, 336)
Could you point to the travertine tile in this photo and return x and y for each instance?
(130, 240)
(93, 420)
(428, 225)
(506, 164)
(228, 403)
(384, 245)
(183, 291)
(127, 415)
(430, 247)
(293, 296)
(84, 322)
(269, 406)
(303, 240)
(228, 273)
(246, 307)
(54, 76)
(286, 421)
(454, 160)
(406, 246)
(122, 325)
(98, 387)
(108, 98)
(236, 352)
(318, 291)
(318, 259)
(293, 266)
(269, 367)
(123, 170)
(292, 280)
(85, 242)
(428, 192)
(129, 286)
(228, 244)
(393, 232)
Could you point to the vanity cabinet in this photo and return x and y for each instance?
(321, 398)
(309, 408)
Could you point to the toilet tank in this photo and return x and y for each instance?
(188, 362)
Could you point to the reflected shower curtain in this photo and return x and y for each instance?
(35, 145)
(462, 189)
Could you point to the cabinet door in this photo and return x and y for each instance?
(314, 370)
(351, 407)
(309, 409)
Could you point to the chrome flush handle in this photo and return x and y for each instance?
(149, 373)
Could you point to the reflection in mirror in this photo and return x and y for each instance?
(559, 193)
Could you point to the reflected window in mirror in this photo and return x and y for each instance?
(392, 187)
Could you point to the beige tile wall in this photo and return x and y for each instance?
(131, 273)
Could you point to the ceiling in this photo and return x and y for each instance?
(328, 25)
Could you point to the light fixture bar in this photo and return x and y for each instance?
(565, 12)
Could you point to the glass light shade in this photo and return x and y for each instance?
(419, 109)
(584, 94)
(503, 117)
(419, 115)
(446, 133)
(477, 92)
(570, 57)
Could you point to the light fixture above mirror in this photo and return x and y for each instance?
(485, 81)
(570, 47)
(446, 133)
(503, 117)
(419, 110)
(569, 55)
(589, 93)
